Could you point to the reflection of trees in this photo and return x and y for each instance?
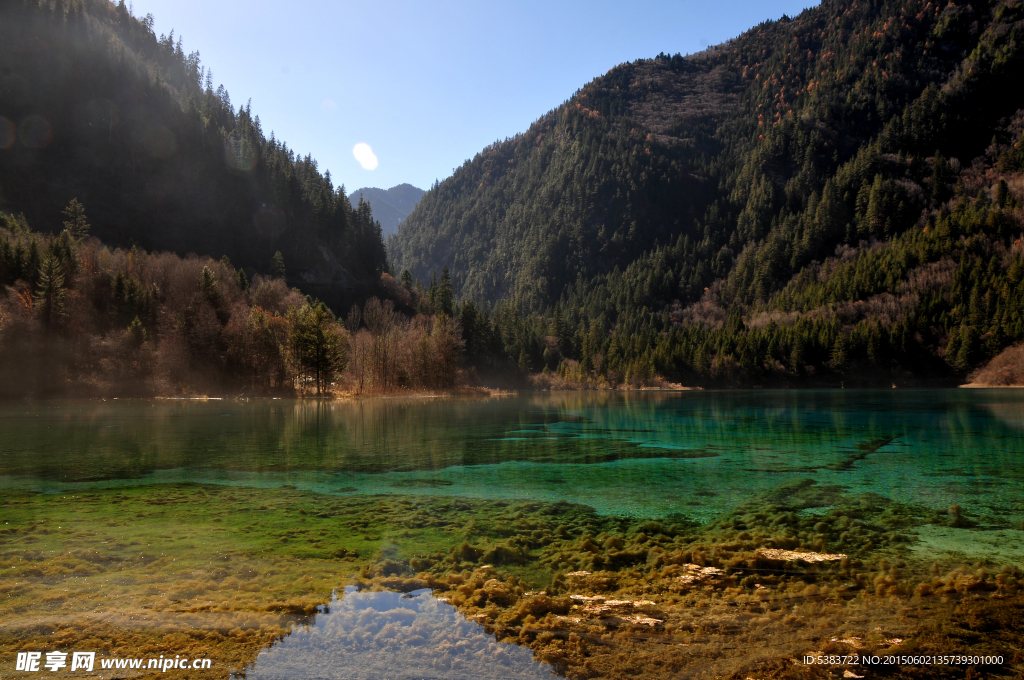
(98, 440)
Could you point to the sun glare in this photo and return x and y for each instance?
(364, 154)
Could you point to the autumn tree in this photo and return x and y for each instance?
(383, 321)
(256, 348)
(446, 345)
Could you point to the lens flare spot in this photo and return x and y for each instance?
(7, 134)
(270, 221)
(159, 142)
(240, 154)
(101, 116)
(364, 154)
(34, 132)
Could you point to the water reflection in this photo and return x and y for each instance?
(637, 455)
(370, 635)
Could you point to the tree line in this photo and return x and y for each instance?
(81, 318)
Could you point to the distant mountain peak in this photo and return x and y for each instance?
(390, 206)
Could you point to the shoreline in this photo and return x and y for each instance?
(486, 392)
(478, 393)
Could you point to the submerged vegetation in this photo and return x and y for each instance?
(220, 572)
(218, 528)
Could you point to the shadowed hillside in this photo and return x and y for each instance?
(94, 106)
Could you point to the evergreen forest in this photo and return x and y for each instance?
(95, 107)
(831, 199)
(834, 198)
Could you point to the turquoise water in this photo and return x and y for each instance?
(692, 454)
(918, 489)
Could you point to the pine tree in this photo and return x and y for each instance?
(76, 222)
(208, 286)
(445, 296)
(1002, 192)
(242, 280)
(941, 175)
(137, 332)
(471, 321)
(316, 345)
(277, 269)
(33, 262)
(50, 295)
(841, 354)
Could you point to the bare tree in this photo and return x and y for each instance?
(447, 343)
(360, 361)
(383, 322)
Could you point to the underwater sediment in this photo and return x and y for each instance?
(805, 569)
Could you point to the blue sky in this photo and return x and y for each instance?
(427, 85)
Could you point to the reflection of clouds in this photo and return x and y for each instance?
(364, 154)
(391, 635)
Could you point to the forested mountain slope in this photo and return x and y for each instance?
(94, 106)
(836, 189)
(390, 206)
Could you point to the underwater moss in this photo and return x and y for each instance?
(224, 571)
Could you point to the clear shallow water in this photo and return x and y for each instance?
(256, 556)
(694, 454)
(411, 636)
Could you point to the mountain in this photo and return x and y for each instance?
(390, 206)
(96, 107)
(828, 197)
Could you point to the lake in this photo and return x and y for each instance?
(588, 534)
